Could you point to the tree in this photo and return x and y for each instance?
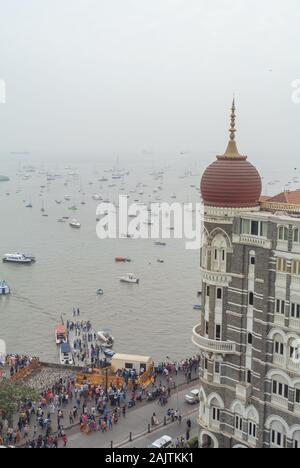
(12, 395)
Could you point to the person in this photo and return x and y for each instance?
(65, 440)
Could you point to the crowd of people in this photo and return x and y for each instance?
(62, 403)
(18, 362)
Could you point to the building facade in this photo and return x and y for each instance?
(249, 329)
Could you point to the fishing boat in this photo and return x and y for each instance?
(18, 258)
(61, 335)
(66, 357)
(75, 224)
(106, 338)
(4, 288)
(130, 278)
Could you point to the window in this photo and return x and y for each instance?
(206, 364)
(280, 307)
(280, 389)
(250, 338)
(239, 423)
(296, 236)
(294, 351)
(223, 255)
(218, 368)
(218, 332)
(295, 311)
(296, 268)
(249, 377)
(278, 439)
(281, 265)
(252, 261)
(216, 254)
(251, 299)
(297, 396)
(279, 348)
(254, 228)
(216, 414)
(219, 294)
(207, 291)
(206, 327)
(283, 234)
(252, 429)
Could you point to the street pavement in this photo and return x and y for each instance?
(136, 422)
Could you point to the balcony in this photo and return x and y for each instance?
(279, 319)
(247, 239)
(279, 360)
(294, 365)
(212, 346)
(280, 401)
(282, 246)
(281, 280)
(295, 324)
(215, 278)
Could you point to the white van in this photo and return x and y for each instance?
(163, 442)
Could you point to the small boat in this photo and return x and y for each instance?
(67, 198)
(122, 259)
(160, 260)
(100, 292)
(106, 338)
(197, 307)
(130, 278)
(61, 335)
(66, 358)
(75, 224)
(163, 244)
(4, 288)
(29, 205)
(18, 258)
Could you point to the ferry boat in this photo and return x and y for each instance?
(130, 278)
(18, 258)
(61, 335)
(4, 288)
(66, 358)
(75, 224)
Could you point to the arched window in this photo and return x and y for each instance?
(215, 413)
(280, 391)
(278, 435)
(296, 235)
(279, 346)
(283, 233)
(219, 253)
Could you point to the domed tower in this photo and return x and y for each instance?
(231, 181)
(231, 188)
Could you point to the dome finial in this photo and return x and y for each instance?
(232, 151)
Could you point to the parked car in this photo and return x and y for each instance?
(192, 397)
(163, 442)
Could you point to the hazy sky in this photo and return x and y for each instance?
(106, 76)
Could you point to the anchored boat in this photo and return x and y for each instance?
(4, 288)
(130, 278)
(61, 335)
(18, 258)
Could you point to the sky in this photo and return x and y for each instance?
(96, 77)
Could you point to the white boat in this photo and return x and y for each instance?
(4, 288)
(106, 338)
(75, 224)
(61, 335)
(130, 278)
(18, 258)
(66, 357)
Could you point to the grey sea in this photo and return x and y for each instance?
(153, 318)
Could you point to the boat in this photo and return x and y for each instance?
(4, 288)
(122, 259)
(106, 338)
(130, 278)
(159, 243)
(61, 335)
(160, 261)
(197, 307)
(29, 205)
(75, 224)
(66, 358)
(100, 292)
(18, 258)
(4, 179)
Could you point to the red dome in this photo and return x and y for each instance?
(231, 182)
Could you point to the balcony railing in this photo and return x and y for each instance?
(213, 346)
(295, 283)
(247, 239)
(279, 401)
(215, 278)
(295, 324)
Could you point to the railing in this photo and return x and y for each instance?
(222, 347)
(215, 277)
(281, 279)
(279, 319)
(295, 284)
(282, 246)
(279, 360)
(279, 401)
(253, 240)
(295, 323)
(294, 365)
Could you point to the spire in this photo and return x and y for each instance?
(232, 150)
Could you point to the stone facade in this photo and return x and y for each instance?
(249, 330)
